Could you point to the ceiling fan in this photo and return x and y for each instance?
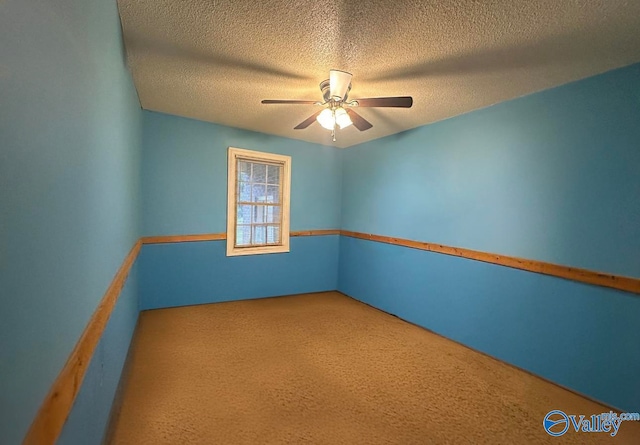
(338, 109)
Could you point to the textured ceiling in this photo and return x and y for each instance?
(215, 60)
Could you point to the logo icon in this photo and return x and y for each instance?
(556, 423)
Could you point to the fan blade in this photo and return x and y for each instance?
(310, 120)
(400, 102)
(358, 121)
(301, 102)
(339, 82)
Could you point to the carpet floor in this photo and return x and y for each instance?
(327, 369)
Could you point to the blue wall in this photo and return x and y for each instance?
(70, 143)
(184, 176)
(554, 176)
(200, 272)
(88, 419)
(184, 187)
(581, 336)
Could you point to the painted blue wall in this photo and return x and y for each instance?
(88, 419)
(581, 336)
(184, 176)
(195, 273)
(554, 176)
(184, 188)
(70, 143)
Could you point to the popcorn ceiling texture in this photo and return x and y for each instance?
(215, 60)
(324, 368)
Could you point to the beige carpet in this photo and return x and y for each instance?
(326, 369)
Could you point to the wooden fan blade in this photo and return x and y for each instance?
(358, 121)
(310, 120)
(400, 102)
(277, 101)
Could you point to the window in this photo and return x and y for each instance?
(258, 202)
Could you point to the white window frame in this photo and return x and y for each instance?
(232, 189)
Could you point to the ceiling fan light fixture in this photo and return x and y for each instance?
(327, 119)
(339, 84)
(342, 118)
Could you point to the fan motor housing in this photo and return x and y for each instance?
(325, 87)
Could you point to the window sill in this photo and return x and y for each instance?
(240, 251)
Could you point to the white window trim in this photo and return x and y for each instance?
(234, 154)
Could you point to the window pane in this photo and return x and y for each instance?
(273, 234)
(244, 214)
(259, 235)
(243, 235)
(272, 214)
(244, 171)
(273, 194)
(258, 214)
(273, 174)
(259, 173)
(259, 192)
(244, 192)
